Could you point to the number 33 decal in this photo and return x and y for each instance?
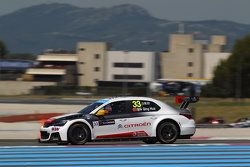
(136, 104)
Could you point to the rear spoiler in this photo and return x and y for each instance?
(185, 101)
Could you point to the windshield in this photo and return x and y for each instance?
(90, 108)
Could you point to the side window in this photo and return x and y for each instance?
(144, 106)
(119, 107)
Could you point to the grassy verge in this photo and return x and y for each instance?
(229, 109)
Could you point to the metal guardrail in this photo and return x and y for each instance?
(213, 126)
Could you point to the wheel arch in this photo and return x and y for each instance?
(81, 121)
(167, 120)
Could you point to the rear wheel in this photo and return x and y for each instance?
(150, 140)
(167, 133)
(78, 134)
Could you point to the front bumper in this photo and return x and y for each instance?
(51, 134)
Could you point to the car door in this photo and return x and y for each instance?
(141, 118)
(108, 126)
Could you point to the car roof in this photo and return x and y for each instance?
(129, 98)
(121, 98)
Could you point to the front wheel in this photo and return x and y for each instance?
(167, 133)
(78, 134)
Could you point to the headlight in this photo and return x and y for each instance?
(55, 122)
(49, 122)
(59, 123)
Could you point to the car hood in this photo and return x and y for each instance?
(69, 116)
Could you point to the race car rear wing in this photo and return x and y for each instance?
(185, 101)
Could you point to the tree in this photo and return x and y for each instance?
(232, 76)
(3, 50)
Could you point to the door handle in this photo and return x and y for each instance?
(153, 117)
(123, 120)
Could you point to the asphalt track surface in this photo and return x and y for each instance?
(128, 155)
(186, 153)
(32, 142)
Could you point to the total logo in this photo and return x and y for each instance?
(134, 125)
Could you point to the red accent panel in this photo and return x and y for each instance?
(124, 135)
(179, 99)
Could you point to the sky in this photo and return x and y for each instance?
(178, 10)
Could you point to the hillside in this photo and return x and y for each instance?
(127, 27)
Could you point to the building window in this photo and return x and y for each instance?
(128, 65)
(97, 56)
(82, 49)
(190, 64)
(191, 50)
(79, 74)
(97, 69)
(138, 77)
(204, 47)
(81, 62)
(190, 74)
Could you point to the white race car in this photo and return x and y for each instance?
(126, 118)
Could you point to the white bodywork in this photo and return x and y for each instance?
(142, 126)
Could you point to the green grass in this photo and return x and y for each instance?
(229, 109)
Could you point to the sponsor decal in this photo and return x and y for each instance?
(102, 101)
(144, 106)
(95, 123)
(134, 125)
(124, 135)
(108, 122)
(140, 134)
(103, 123)
(55, 128)
(136, 104)
(120, 126)
(134, 110)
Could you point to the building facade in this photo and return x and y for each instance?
(188, 58)
(97, 63)
(91, 62)
(211, 60)
(129, 66)
(55, 67)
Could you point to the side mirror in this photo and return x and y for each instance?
(101, 113)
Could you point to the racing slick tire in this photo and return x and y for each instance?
(150, 140)
(167, 133)
(78, 134)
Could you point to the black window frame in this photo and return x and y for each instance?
(190, 75)
(190, 64)
(128, 65)
(97, 69)
(97, 56)
(191, 50)
(82, 49)
(127, 77)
